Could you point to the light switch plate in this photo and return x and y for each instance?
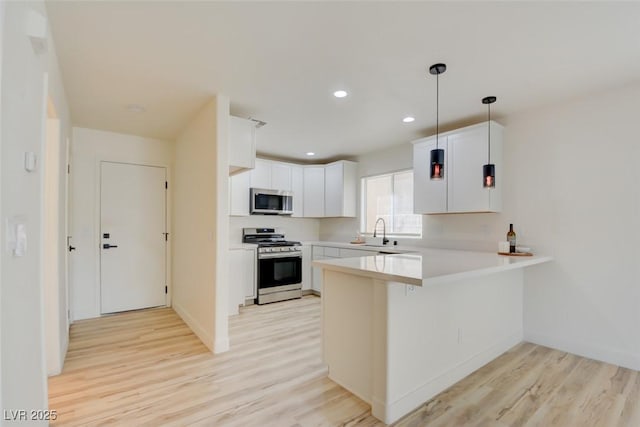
(30, 161)
(16, 236)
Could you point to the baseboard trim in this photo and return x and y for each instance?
(195, 326)
(413, 399)
(618, 358)
(221, 345)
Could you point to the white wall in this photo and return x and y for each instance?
(570, 190)
(200, 224)
(58, 99)
(573, 190)
(221, 334)
(23, 372)
(53, 251)
(88, 149)
(2, 232)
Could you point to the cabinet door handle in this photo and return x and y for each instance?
(108, 246)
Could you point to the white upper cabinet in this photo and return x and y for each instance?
(428, 196)
(469, 152)
(261, 175)
(318, 191)
(280, 176)
(340, 189)
(313, 200)
(242, 144)
(466, 151)
(297, 186)
(271, 175)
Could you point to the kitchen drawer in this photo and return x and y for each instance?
(354, 253)
(317, 252)
(332, 252)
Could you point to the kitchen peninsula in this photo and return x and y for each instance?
(398, 329)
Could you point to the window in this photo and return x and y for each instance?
(390, 197)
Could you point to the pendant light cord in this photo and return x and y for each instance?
(437, 106)
(489, 137)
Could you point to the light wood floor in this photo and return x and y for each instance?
(147, 368)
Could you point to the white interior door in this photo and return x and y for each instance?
(132, 236)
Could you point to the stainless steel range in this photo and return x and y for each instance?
(279, 264)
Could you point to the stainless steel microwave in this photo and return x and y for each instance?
(271, 202)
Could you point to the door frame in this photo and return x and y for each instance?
(97, 222)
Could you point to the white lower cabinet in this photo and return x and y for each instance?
(329, 252)
(242, 277)
(317, 253)
(354, 253)
(306, 267)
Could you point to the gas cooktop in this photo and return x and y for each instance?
(266, 237)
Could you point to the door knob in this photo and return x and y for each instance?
(108, 246)
(72, 248)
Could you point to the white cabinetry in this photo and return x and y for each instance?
(239, 194)
(318, 191)
(313, 197)
(280, 176)
(340, 189)
(318, 253)
(468, 155)
(261, 175)
(306, 267)
(428, 196)
(271, 175)
(297, 186)
(329, 252)
(461, 190)
(242, 144)
(242, 264)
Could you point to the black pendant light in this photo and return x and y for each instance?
(489, 170)
(437, 155)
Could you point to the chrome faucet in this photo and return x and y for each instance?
(384, 231)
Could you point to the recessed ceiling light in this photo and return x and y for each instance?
(311, 153)
(136, 108)
(340, 93)
(408, 119)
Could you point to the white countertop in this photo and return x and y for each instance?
(245, 246)
(364, 247)
(429, 266)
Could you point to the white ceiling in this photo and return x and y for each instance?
(281, 61)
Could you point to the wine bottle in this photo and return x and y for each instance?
(511, 237)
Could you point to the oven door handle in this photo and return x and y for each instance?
(280, 255)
